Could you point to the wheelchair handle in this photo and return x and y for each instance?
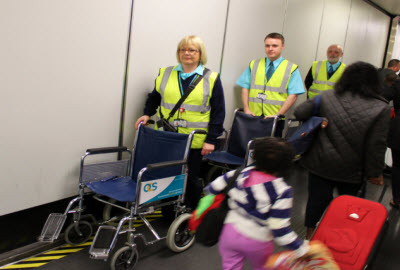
(165, 164)
(105, 150)
(200, 131)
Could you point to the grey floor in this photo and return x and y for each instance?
(158, 256)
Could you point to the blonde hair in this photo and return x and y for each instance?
(195, 40)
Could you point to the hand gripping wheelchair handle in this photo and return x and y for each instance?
(105, 150)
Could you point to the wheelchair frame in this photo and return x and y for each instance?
(224, 167)
(80, 230)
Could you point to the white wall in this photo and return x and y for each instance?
(62, 64)
(62, 67)
(366, 35)
(155, 36)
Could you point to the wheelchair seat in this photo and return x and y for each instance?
(151, 146)
(244, 128)
(122, 189)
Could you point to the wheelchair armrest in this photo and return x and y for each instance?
(165, 164)
(105, 150)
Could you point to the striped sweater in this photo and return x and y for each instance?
(260, 211)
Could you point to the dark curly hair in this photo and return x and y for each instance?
(361, 79)
(273, 156)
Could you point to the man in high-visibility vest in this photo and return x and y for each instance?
(323, 75)
(270, 85)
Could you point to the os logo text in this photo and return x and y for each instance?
(150, 187)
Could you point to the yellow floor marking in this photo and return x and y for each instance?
(81, 245)
(18, 266)
(44, 258)
(64, 251)
(137, 223)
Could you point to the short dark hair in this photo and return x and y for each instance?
(275, 35)
(360, 78)
(273, 155)
(393, 62)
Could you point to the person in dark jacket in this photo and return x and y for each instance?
(391, 92)
(352, 145)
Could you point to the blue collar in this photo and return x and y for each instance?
(334, 66)
(276, 63)
(183, 75)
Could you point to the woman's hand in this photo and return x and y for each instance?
(324, 123)
(207, 148)
(247, 111)
(143, 118)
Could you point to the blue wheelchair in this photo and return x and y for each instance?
(237, 150)
(152, 177)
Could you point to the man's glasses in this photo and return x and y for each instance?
(191, 51)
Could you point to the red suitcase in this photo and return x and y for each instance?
(350, 228)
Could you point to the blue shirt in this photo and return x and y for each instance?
(334, 66)
(184, 76)
(295, 85)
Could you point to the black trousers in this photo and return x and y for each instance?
(320, 194)
(194, 185)
(396, 176)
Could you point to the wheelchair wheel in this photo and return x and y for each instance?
(213, 173)
(109, 211)
(125, 258)
(76, 236)
(179, 238)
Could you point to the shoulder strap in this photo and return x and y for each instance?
(187, 92)
(232, 180)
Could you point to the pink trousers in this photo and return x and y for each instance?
(235, 248)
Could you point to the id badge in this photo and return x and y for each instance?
(262, 96)
(180, 123)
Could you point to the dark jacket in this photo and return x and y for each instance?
(392, 93)
(354, 138)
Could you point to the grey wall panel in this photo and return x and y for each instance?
(366, 35)
(61, 69)
(248, 24)
(155, 36)
(301, 31)
(334, 25)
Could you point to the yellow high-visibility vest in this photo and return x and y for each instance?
(196, 113)
(268, 98)
(320, 76)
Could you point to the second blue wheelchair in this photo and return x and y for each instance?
(152, 177)
(237, 149)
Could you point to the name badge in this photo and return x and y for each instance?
(180, 123)
(262, 96)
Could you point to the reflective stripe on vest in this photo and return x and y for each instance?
(203, 108)
(274, 91)
(281, 89)
(319, 85)
(197, 108)
(193, 124)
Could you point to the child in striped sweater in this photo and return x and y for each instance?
(260, 205)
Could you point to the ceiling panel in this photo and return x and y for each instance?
(391, 6)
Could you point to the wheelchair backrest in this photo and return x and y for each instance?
(153, 146)
(246, 127)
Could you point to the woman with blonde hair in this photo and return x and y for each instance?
(204, 107)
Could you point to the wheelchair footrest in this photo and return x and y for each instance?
(52, 227)
(101, 245)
